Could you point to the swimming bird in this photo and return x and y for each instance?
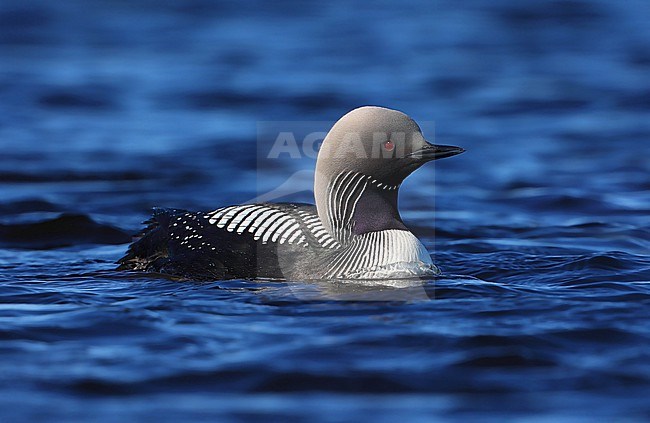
(354, 231)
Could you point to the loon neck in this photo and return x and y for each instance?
(352, 203)
(376, 210)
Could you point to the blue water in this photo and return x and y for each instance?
(542, 227)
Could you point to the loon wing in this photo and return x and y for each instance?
(231, 242)
(293, 223)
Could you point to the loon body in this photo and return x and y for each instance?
(353, 232)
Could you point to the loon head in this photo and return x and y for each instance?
(362, 162)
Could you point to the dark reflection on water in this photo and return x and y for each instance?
(111, 107)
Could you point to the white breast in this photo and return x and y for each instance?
(384, 254)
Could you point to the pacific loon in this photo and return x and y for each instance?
(353, 232)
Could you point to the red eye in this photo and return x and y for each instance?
(389, 146)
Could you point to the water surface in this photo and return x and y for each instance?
(112, 107)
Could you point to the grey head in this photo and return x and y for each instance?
(361, 164)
